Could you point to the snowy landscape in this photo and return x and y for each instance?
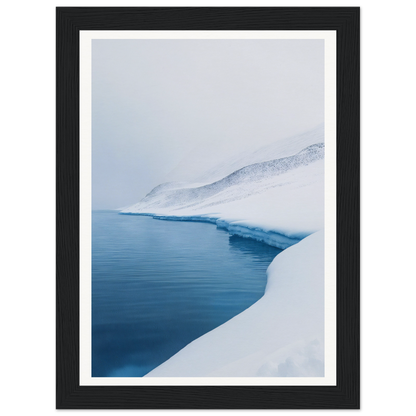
(274, 195)
(218, 145)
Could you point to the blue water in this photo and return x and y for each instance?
(158, 285)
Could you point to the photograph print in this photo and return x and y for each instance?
(208, 206)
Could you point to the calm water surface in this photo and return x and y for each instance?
(158, 285)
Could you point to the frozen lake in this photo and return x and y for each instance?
(158, 285)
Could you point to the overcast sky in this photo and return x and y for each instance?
(155, 101)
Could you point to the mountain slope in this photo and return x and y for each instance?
(171, 195)
(198, 166)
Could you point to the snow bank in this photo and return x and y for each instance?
(269, 237)
(280, 335)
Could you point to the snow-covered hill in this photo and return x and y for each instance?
(272, 201)
(179, 197)
(277, 198)
(207, 163)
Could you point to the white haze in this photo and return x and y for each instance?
(163, 104)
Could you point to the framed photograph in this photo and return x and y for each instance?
(207, 208)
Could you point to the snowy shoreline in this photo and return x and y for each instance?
(281, 335)
(270, 237)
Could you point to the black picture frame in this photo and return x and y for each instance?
(69, 22)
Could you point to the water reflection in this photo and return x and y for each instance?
(158, 285)
(256, 249)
